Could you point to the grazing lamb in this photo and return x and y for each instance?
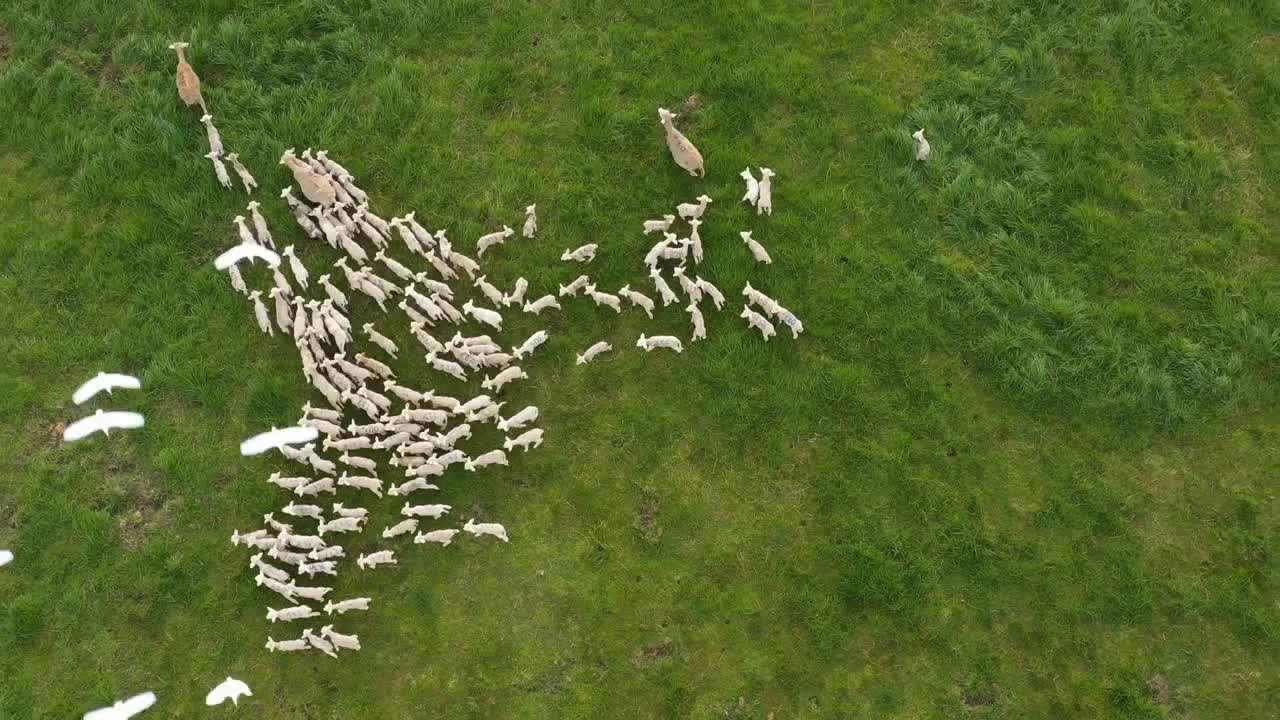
(359, 442)
(530, 221)
(493, 529)
(312, 511)
(411, 486)
(690, 287)
(237, 281)
(342, 511)
(692, 211)
(491, 293)
(309, 593)
(276, 586)
(319, 643)
(356, 461)
(311, 569)
(400, 528)
(922, 145)
(695, 241)
(516, 296)
(381, 369)
(590, 353)
(317, 487)
(443, 537)
(284, 319)
(583, 254)
(288, 483)
(345, 606)
(753, 188)
(493, 457)
(340, 524)
(260, 312)
(524, 441)
(791, 321)
(668, 296)
(637, 299)
(267, 569)
(766, 303)
(669, 342)
(372, 560)
(758, 321)
(215, 138)
(682, 151)
(447, 367)
(485, 414)
(494, 238)
(699, 326)
(757, 250)
(537, 306)
(333, 552)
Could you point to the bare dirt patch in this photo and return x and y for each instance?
(978, 697)
(647, 518)
(146, 509)
(6, 45)
(1158, 689)
(660, 650)
(693, 103)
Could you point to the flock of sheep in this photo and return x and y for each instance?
(418, 432)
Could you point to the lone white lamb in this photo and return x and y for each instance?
(922, 145)
(530, 221)
(493, 529)
(590, 353)
(757, 250)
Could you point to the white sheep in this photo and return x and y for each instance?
(531, 343)
(246, 178)
(758, 321)
(922, 145)
(269, 519)
(663, 225)
(526, 440)
(344, 642)
(289, 614)
(516, 296)
(333, 552)
(400, 528)
(443, 402)
(359, 442)
(753, 188)
(757, 250)
(497, 382)
(342, 511)
(395, 267)
(297, 645)
(583, 254)
(276, 586)
(237, 537)
(473, 404)
(530, 220)
(494, 238)
(345, 606)
(492, 293)
(303, 542)
(669, 342)
(483, 315)
(493, 457)
(237, 281)
(485, 414)
(464, 263)
(323, 426)
(682, 151)
(766, 303)
(637, 299)
(711, 291)
(296, 510)
(699, 326)
(378, 367)
(374, 559)
(664, 290)
(572, 288)
(319, 643)
(537, 306)
(764, 206)
(376, 428)
(411, 486)
(450, 458)
(524, 417)
(311, 569)
(340, 524)
(356, 461)
(494, 529)
(590, 353)
(604, 298)
(284, 318)
(260, 312)
(425, 470)
(443, 537)
(317, 487)
(267, 569)
(791, 321)
(309, 592)
(288, 483)
(690, 211)
(434, 512)
(695, 241)
(690, 287)
(215, 138)
(382, 401)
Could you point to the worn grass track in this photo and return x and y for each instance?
(1022, 464)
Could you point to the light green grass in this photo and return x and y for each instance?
(1023, 461)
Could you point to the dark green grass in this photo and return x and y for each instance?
(1022, 462)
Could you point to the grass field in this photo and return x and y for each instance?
(1023, 464)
